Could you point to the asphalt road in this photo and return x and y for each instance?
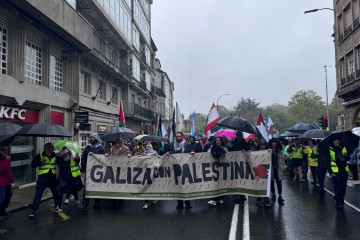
(307, 214)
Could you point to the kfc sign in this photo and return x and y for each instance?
(16, 114)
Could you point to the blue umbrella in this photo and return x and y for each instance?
(302, 127)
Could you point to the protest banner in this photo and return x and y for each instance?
(177, 176)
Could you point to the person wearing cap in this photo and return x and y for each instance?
(69, 174)
(336, 162)
(46, 162)
(94, 147)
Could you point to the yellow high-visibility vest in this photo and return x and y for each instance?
(48, 165)
(334, 166)
(75, 170)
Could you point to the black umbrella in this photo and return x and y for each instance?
(118, 132)
(6, 140)
(237, 123)
(8, 128)
(302, 127)
(44, 130)
(315, 134)
(347, 139)
(290, 134)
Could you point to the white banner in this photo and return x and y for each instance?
(177, 176)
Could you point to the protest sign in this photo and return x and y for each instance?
(177, 176)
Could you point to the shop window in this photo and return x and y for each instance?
(3, 44)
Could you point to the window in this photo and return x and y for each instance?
(33, 57)
(102, 90)
(136, 68)
(351, 64)
(147, 55)
(115, 99)
(56, 73)
(147, 80)
(84, 141)
(356, 8)
(136, 41)
(348, 18)
(85, 82)
(3, 44)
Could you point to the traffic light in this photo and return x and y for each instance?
(323, 122)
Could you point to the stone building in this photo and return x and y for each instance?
(65, 58)
(347, 51)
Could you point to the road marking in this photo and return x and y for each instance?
(346, 202)
(246, 222)
(64, 217)
(234, 223)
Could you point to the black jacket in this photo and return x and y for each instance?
(97, 149)
(239, 145)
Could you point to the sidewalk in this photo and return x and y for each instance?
(23, 197)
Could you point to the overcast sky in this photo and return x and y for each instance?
(258, 49)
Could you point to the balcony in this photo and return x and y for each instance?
(160, 92)
(356, 23)
(143, 84)
(144, 112)
(343, 81)
(351, 77)
(341, 38)
(109, 54)
(348, 31)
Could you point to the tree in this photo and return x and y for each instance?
(247, 108)
(333, 112)
(306, 107)
(279, 115)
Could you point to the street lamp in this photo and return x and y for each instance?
(327, 99)
(217, 102)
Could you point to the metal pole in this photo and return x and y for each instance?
(217, 102)
(327, 99)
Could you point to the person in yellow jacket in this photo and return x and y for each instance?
(296, 157)
(46, 161)
(310, 151)
(338, 169)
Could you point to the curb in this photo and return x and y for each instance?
(27, 206)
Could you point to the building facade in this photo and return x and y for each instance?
(61, 59)
(347, 53)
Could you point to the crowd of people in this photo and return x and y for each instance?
(62, 171)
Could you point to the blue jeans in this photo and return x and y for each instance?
(5, 197)
(340, 181)
(320, 173)
(42, 183)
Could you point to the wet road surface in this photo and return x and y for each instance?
(307, 214)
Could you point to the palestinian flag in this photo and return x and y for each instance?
(262, 129)
(121, 115)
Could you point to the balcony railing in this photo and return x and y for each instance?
(341, 38)
(144, 112)
(343, 81)
(143, 57)
(143, 84)
(160, 92)
(348, 31)
(351, 77)
(356, 23)
(107, 52)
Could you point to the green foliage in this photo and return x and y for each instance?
(279, 115)
(247, 108)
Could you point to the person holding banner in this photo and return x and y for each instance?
(239, 144)
(204, 143)
(180, 146)
(94, 147)
(118, 149)
(218, 151)
(149, 151)
(262, 147)
(277, 169)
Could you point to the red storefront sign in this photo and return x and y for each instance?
(57, 118)
(17, 114)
